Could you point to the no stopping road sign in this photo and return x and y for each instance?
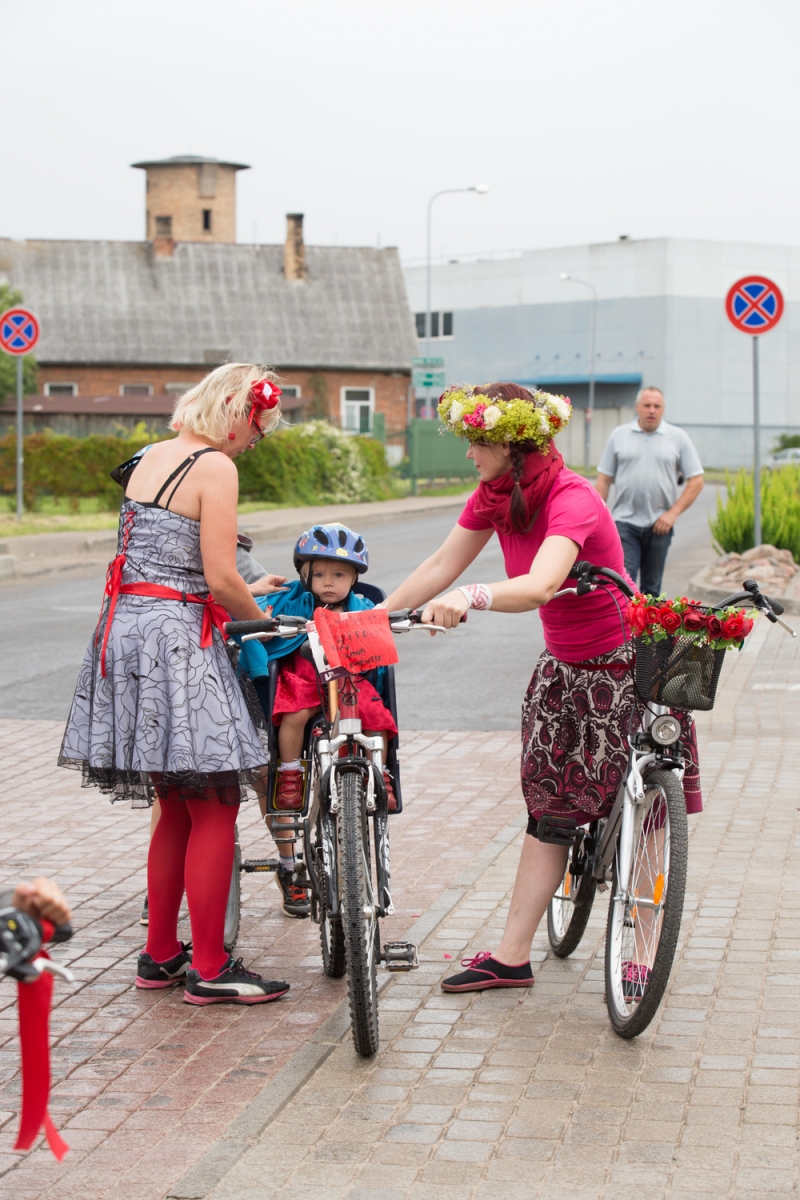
(754, 305)
(19, 331)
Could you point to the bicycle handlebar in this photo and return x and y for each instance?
(21, 939)
(288, 627)
(586, 573)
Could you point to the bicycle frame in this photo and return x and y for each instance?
(347, 736)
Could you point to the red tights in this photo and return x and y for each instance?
(191, 849)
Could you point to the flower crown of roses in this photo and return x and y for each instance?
(485, 419)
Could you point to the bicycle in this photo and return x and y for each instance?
(641, 848)
(348, 862)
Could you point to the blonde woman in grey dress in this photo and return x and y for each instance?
(157, 709)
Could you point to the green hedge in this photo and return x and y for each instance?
(733, 527)
(306, 464)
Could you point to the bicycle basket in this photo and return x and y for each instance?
(678, 672)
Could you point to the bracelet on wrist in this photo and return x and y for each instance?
(479, 595)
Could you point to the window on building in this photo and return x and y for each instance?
(136, 389)
(441, 324)
(163, 226)
(206, 220)
(357, 407)
(177, 389)
(61, 389)
(291, 410)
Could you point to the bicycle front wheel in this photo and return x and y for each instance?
(569, 911)
(644, 920)
(359, 914)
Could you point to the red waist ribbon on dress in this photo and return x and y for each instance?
(214, 615)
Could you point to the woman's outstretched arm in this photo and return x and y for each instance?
(457, 551)
(548, 571)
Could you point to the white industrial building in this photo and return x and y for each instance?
(660, 319)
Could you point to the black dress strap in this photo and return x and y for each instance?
(180, 474)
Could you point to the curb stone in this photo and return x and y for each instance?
(251, 1123)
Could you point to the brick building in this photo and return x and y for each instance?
(127, 326)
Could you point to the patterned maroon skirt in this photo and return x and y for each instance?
(575, 729)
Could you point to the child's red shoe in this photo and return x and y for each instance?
(289, 797)
(389, 784)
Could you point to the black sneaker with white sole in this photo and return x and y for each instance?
(234, 984)
(151, 974)
(296, 890)
(144, 919)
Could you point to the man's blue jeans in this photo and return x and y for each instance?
(645, 554)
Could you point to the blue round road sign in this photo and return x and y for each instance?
(754, 305)
(19, 331)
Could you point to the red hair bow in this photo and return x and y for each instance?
(263, 394)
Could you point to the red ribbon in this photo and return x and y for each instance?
(34, 1036)
(214, 615)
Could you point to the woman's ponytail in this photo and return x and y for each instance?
(520, 517)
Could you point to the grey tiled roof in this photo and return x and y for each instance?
(115, 302)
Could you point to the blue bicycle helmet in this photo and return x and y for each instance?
(332, 541)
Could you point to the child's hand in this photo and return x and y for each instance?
(266, 584)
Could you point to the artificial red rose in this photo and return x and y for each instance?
(714, 627)
(670, 620)
(748, 625)
(636, 617)
(694, 620)
(733, 626)
(652, 615)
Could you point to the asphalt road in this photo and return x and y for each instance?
(471, 678)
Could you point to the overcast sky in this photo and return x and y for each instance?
(587, 118)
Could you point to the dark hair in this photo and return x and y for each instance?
(521, 519)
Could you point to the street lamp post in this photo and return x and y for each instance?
(587, 436)
(481, 189)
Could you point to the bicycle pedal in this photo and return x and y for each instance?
(400, 956)
(260, 864)
(558, 831)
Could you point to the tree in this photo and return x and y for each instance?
(10, 298)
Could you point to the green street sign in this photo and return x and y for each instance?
(427, 379)
(427, 362)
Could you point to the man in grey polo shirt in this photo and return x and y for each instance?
(645, 461)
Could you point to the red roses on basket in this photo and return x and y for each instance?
(656, 618)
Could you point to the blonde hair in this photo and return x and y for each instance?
(213, 406)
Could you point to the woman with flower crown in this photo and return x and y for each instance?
(158, 709)
(579, 706)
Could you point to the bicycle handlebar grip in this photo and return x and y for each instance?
(62, 933)
(775, 605)
(268, 625)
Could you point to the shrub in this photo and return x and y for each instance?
(787, 441)
(305, 464)
(733, 528)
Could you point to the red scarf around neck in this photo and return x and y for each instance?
(493, 499)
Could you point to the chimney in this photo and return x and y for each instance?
(189, 199)
(294, 251)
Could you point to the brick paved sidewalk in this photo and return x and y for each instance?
(502, 1095)
(144, 1084)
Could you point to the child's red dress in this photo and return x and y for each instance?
(298, 687)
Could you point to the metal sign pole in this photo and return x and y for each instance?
(756, 447)
(19, 438)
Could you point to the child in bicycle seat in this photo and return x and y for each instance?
(329, 560)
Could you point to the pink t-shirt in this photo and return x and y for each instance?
(576, 628)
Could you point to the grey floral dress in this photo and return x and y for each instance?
(167, 713)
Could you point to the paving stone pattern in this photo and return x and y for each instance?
(502, 1095)
(144, 1084)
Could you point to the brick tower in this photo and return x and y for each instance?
(190, 199)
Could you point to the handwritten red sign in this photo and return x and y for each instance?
(357, 641)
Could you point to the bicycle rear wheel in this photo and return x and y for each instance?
(569, 911)
(359, 915)
(644, 923)
(233, 907)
